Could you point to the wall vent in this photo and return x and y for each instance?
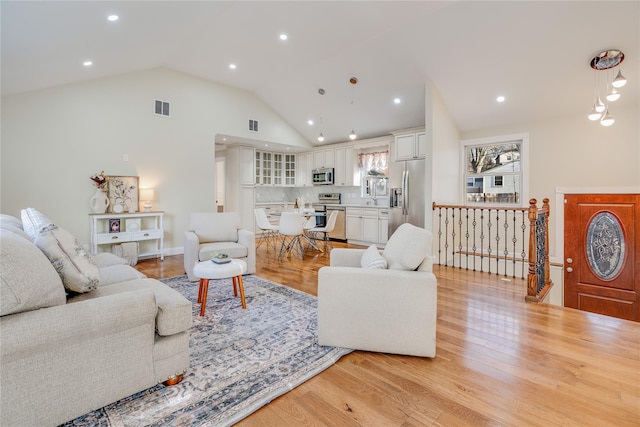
(253, 125)
(162, 108)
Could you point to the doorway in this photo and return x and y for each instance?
(602, 254)
(220, 183)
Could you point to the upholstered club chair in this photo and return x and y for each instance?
(211, 233)
(384, 302)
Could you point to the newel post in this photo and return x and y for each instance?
(532, 281)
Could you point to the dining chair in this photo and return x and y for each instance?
(291, 229)
(269, 231)
(322, 233)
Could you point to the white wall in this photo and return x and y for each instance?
(572, 152)
(54, 139)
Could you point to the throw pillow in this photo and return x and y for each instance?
(27, 279)
(371, 258)
(33, 221)
(407, 247)
(74, 264)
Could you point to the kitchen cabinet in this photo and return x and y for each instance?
(240, 190)
(324, 159)
(411, 146)
(145, 228)
(304, 165)
(290, 177)
(277, 169)
(363, 225)
(346, 172)
(383, 225)
(264, 168)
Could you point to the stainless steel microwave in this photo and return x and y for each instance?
(323, 176)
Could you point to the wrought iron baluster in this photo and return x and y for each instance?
(446, 236)
(474, 239)
(439, 235)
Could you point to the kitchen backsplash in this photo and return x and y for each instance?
(349, 195)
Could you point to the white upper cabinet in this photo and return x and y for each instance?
(346, 171)
(324, 158)
(276, 169)
(411, 146)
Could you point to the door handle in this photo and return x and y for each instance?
(569, 260)
(569, 269)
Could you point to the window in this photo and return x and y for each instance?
(493, 170)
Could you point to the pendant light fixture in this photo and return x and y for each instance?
(354, 82)
(604, 61)
(321, 136)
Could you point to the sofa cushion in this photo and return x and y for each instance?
(32, 221)
(15, 228)
(372, 259)
(215, 227)
(407, 247)
(118, 273)
(234, 250)
(71, 260)
(28, 281)
(174, 310)
(106, 259)
(10, 220)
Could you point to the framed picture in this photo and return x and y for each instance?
(114, 225)
(123, 193)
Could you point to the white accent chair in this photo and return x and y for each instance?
(269, 231)
(389, 310)
(211, 233)
(322, 233)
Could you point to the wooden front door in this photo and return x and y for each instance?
(602, 254)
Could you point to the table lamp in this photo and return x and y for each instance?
(147, 196)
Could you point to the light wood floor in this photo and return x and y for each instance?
(500, 362)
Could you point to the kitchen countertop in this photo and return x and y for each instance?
(340, 205)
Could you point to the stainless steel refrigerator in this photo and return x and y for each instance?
(407, 181)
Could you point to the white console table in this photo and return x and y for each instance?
(143, 227)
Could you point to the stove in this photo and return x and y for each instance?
(328, 201)
(329, 198)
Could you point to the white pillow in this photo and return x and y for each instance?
(27, 279)
(74, 264)
(371, 258)
(407, 247)
(33, 221)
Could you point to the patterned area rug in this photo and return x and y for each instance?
(240, 359)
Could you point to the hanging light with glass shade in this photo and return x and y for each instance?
(353, 81)
(321, 136)
(605, 61)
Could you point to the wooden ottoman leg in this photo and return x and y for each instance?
(205, 290)
(200, 290)
(241, 285)
(235, 286)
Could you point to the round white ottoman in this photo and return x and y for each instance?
(207, 270)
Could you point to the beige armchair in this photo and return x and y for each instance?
(389, 310)
(211, 233)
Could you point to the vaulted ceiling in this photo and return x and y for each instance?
(536, 54)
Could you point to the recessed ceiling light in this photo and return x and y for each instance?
(87, 63)
(232, 66)
(396, 101)
(310, 122)
(112, 18)
(283, 36)
(500, 98)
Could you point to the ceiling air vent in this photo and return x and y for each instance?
(253, 125)
(162, 108)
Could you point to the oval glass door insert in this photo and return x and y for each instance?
(605, 245)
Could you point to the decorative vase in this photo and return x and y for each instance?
(99, 202)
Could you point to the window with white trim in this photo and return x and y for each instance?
(494, 170)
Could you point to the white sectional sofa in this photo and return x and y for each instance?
(79, 332)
